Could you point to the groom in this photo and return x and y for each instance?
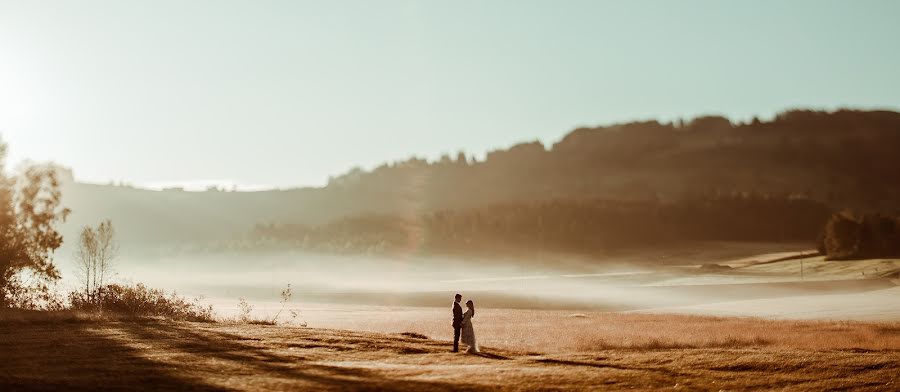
(457, 322)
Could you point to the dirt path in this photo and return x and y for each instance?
(190, 356)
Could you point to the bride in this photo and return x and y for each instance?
(468, 333)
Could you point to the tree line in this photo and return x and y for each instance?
(845, 159)
(585, 227)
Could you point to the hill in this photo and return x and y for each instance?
(841, 159)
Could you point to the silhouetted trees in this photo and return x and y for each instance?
(561, 226)
(96, 250)
(844, 158)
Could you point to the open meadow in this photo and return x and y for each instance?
(611, 352)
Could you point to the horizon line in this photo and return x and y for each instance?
(227, 185)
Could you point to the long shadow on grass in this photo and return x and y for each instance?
(239, 352)
(605, 366)
(76, 356)
(490, 356)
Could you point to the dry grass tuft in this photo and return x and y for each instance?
(21, 316)
(139, 301)
(260, 322)
(10, 316)
(414, 335)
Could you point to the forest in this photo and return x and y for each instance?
(577, 227)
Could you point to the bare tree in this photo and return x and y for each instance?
(108, 249)
(97, 249)
(85, 258)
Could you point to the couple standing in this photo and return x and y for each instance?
(462, 325)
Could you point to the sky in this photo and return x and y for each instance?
(262, 94)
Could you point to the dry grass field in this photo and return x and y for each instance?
(618, 351)
(567, 332)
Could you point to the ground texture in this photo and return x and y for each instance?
(159, 355)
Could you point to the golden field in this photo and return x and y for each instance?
(541, 352)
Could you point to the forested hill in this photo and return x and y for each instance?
(843, 159)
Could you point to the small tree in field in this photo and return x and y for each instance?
(97, 249)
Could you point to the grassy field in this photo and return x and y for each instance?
(567, 332)
(619, 352)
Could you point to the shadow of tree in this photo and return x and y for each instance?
(74, 357)
(490, 356)
(563, 362)
(239, 352)
(149, 355)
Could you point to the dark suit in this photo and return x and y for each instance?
(457, 324)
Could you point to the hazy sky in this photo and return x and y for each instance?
(280, 93)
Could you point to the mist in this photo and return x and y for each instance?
(626, 282)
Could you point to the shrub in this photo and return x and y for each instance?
(855, 236)
(245, 316)
(246, 309)
(33, 294)
(140, 301)
(841, 236)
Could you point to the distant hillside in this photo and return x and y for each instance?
(842, 159)
(146, 218)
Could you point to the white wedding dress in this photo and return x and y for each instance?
(468, 333)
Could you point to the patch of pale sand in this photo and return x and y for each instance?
(818, 268)
(764, 258)
(876, 305)
(717, 279)
(814, 269)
